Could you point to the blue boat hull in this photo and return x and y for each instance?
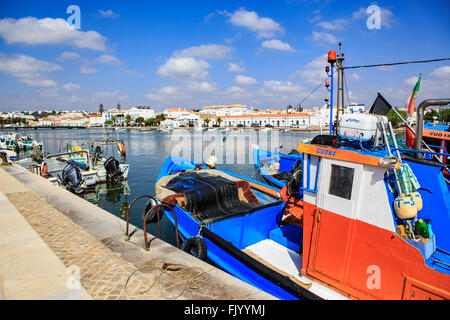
(224, 248)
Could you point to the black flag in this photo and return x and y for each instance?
(380, 106)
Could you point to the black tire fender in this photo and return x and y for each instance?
(196, 246)
(152, 217)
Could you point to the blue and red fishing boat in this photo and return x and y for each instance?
(349, 215)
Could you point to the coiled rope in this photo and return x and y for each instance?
(194, 282)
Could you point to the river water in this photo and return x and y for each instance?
(147, 150)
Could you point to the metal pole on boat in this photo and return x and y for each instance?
(331, 102)
(331, 61)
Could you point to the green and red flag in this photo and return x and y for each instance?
(411, 102)
(410, 106)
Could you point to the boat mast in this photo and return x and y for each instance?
(331, 61)
(340, 83)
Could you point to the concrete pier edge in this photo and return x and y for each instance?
(79, 233)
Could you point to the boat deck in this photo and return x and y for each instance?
(289, 263)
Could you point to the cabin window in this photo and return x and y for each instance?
(341, 182)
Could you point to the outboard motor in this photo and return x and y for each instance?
(72, 179)
(113, 172)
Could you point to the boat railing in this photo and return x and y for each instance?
(422, 152)
(441, 148)
(49, 156)
(420, 120)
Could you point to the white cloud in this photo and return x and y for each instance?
(33, 31)
(235, 90)
(28, 69)
(234, 67)
(200, 86)
(245, 81)
(264, 27)
(48, 92)
(182, 92)
(337, 24)
(325, 37)
(314, 72)
(316, 16)
(38, 82)
(87, 70)
(108, 14)
(283, 86)
(109, 60)
(442, 72)
(186, 68)
(352, 77)
(205, 51)
(277, 45)
(68, 56)
(71, 86)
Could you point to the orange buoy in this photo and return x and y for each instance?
(44, 170)
(121, 148)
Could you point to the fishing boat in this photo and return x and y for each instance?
(236, 217)
(358, 216)
(27, 143)
(81, 168)
(362, 227)
(8, 156)
(9, 141)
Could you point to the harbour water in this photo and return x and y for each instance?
(147, 150)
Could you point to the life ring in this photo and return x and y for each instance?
(196, 246)
(44, 170)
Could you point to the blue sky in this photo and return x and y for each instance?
(194, 53)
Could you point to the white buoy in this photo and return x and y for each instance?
(405, 207)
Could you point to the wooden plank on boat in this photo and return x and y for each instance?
(269, 265)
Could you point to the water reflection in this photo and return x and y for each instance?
(147, 151)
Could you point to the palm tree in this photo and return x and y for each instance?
(207, 121)
(160, 118)
(114, 120)
(127, 119)
(219, 121)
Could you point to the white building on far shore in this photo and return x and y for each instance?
(225, 110)
(140, 112)
(96, 120)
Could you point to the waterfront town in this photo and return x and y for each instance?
(235, 115)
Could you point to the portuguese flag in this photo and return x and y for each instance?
(411, 102)
(410, 105)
